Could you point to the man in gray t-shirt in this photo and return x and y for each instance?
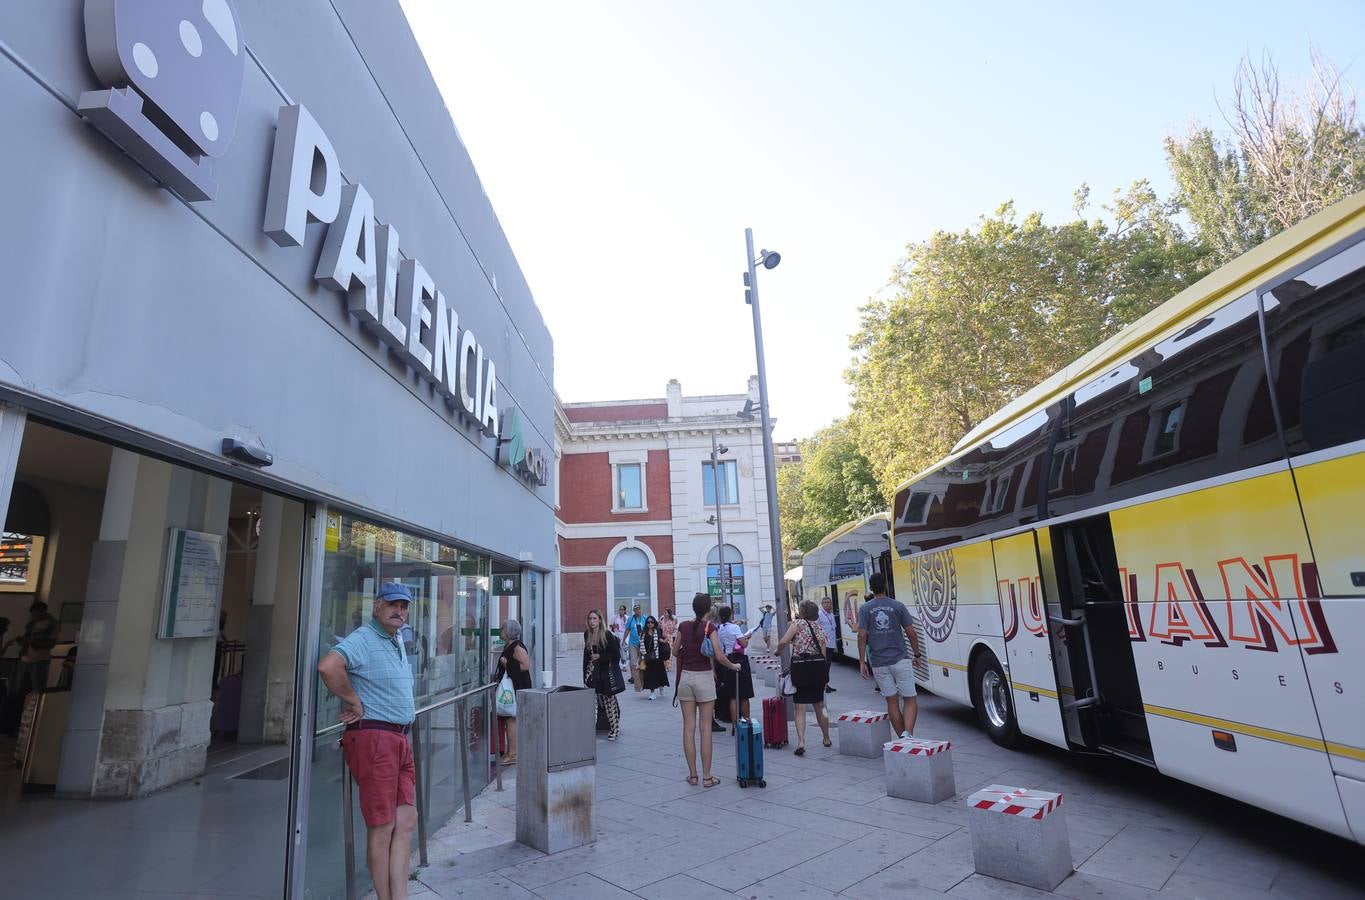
(884, 626)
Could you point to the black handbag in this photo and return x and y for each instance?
(609, 679)
(807, 670)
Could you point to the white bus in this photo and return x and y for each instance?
(838, 568)
(1158, 553)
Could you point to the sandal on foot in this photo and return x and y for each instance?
(692, 780)
(828, 744)
(800, 751)
(710, 782)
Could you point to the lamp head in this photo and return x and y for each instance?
(769, 258)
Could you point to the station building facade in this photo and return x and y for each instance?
(264, 346)
(637, 500)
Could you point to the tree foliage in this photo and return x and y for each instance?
(976, 317)
(1288, 155)
(832, 484)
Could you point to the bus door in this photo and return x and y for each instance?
(1028, 640)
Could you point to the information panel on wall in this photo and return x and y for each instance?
(193, 584)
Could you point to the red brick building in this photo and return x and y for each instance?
(637, 500)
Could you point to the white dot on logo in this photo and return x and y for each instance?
(189, 36)
(209, 125)
(220, 17)
(145, 60)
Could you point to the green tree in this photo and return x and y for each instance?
(1287, 156)
(832, 484)
(977, 317)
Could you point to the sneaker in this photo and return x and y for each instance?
(906, 735)
(717, 727)
(830, 690)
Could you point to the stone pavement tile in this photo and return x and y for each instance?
(704, 813)
(984, 887)
(1141, 855)
(582, 887)
(828, 826)
(939, 866)
(643, 819)
(872, 889)
(782, 887)
(881, 818)
(1083, 886)
(1084, 844)
(464, 837)
(1298, 880)
(741, 869)
(596, 857)
(1238, 862)
(952, 812)
(1186, 819)
(493, 887)
(477, 862)
(1196, 886)
(682, 887)
(840, 869)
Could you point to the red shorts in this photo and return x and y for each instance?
(381, 762)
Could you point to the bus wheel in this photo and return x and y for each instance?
(994, 707)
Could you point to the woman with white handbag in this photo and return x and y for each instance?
(809, 673)
(513, 674)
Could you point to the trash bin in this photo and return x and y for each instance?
(556, 767)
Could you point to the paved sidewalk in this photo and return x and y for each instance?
(824, 826)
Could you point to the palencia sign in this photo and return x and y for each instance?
(393, 297)
(175, 70)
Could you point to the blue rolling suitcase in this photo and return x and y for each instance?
(749, 752)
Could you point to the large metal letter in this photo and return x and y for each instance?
(489, 415)
(391, 328)
(445, 338)
(305, 178)
(347, 263)
(416, 290)
(469, 352)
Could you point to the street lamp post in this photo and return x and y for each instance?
(716, 451)
(769, 261)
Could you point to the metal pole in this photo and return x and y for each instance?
(419, 766)
(769, 468)
(348, 826)
(720, 532)
(464, 760)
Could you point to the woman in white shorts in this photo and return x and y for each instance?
(697, 687)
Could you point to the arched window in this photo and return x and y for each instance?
(630, 577)
(734, 574)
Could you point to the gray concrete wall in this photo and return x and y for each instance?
(182, 323)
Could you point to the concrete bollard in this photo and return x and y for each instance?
(1019, 835)
(863, 732)
(919, 770)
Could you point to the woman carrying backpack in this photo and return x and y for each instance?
(695, 646)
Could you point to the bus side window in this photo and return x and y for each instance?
(1315, 325)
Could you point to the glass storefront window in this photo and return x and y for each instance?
(446, 640)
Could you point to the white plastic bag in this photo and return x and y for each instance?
(784, 685)
(506, 697)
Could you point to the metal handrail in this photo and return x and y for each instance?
(348, 816)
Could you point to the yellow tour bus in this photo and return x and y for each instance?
(1159, 552)
(837, 569)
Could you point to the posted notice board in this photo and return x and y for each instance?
(193, 589)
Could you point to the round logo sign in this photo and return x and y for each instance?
(935, 588)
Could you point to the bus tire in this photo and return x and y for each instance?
(993, 701)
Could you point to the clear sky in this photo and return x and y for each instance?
(627, 144)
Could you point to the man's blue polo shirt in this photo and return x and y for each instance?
(379, 672)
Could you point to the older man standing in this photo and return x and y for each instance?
(369, 672)
(831, 629)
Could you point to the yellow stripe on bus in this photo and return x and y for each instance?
(947, 665)
(1031, 689)
(1269, 734)
(1346, 750)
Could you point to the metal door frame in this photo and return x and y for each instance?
(12, 420)
(305, 687)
